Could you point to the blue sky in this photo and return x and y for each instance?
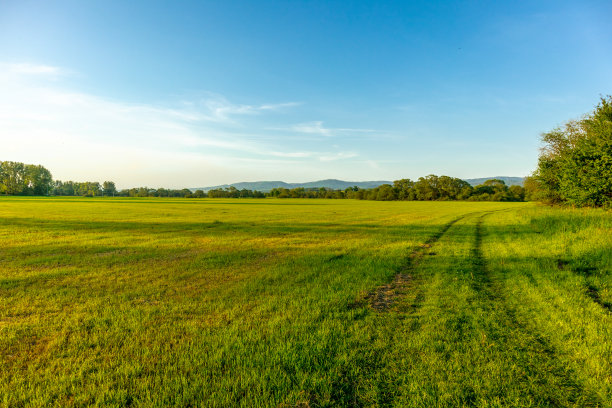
(177, 94)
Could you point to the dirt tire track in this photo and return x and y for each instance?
(382, 298)
(481, 277)
(492, 291)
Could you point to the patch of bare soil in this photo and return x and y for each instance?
(384, 296)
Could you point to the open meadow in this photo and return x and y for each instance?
(303, 303)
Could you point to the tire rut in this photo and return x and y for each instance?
(491, 291)
(481, 278)
(383, 297)
(593, 293)
(590, 290)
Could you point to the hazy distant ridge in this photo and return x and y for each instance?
(269, 185)
(510, 181)
(266, 186)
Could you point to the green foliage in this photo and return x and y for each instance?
(433, 187)
(109, 189)
(430, 188)
(533, 189)
(24, 179)
(231, 192)
(83, 189)
(575, 165)
(405, 189)
(497, 190)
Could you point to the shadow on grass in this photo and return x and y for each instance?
(284, 290)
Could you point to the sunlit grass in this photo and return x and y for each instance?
(180, 302)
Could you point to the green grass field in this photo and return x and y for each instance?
(303, 303)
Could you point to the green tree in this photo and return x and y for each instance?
(516, 193)
(533, 189)
(385, 192)
(575, 164)
(143, 192)
(404, 189)
(12, 178)
(109, 189)
(452, 188)
(38, 180)
(426, 188)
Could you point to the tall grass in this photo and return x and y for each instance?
(171, 302)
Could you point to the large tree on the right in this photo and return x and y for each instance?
(575, 164)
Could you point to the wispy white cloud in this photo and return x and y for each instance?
(312, 128)
(219, 109)
(82, 136)
(278, 106)
(372, 164)
(29, 69)
(317, 128)
(337, 156)
(293, 154)
(320, 156)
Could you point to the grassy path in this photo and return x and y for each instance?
(543, 377)
(555, 304)
(458, 341)
(383, 297)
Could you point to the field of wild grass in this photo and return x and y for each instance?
(311, 303)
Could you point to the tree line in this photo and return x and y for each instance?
(231, 192)
(27, 179)
(108, 189)
(430, 188)
(24, 179)
(575, 163)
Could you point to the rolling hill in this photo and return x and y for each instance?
(266, 186)
(335, 184)
(510, 181)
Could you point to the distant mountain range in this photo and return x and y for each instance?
(266, 186)
(510, 181)
(334, 184)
